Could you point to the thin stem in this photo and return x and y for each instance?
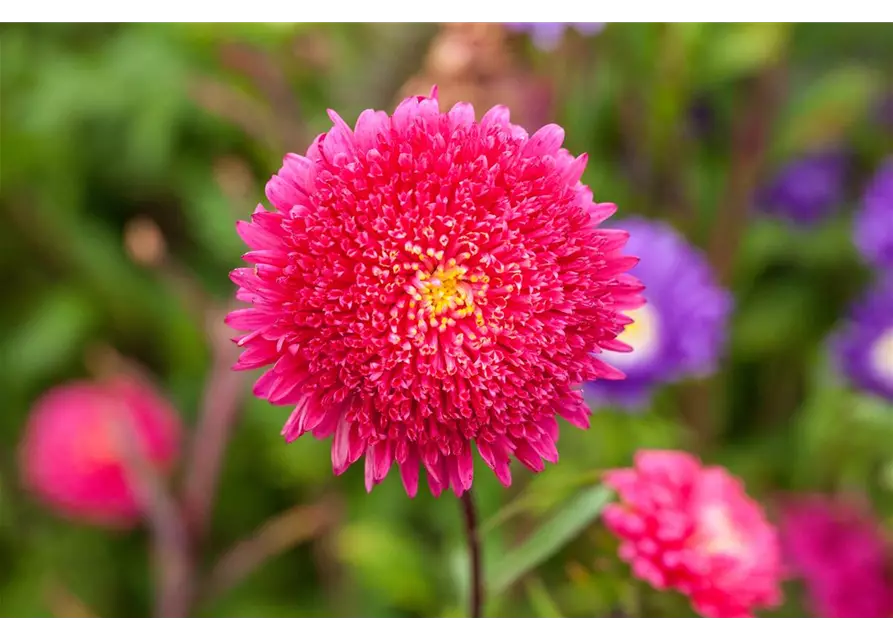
(474, 551)
(751, 135)
(222, 400)
(170, 539)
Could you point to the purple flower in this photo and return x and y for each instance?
(864, 346)
(807, 189)
(547, 35)
(874, 221)
(680, 331)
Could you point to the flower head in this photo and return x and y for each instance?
(547, 35)
(425, 282)
(864, 345)
(681, 329)
(807, 189)
(842, 556)
(71, 455)
(692, 528)
(874, 221)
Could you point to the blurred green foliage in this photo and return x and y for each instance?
(181, 125)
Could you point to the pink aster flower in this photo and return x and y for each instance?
(840, 552)
(426, 283)
(693, 529)
(71, 458)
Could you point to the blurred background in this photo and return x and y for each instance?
(130, 151)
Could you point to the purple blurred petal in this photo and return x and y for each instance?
(548, 35)
(873, 232)
(686, 312)
(589, 28)
(862, 346)
(807, 189)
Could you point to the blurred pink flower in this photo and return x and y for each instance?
(427, 282)
(840, 553)
(693, 529)
(71, 457)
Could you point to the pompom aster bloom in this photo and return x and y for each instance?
(426, 282)
(864, 345)
(807, 189)
(547, 35)
(840, 553)
(681, 330)
(693, 529)
(874, 221)
(71, 457)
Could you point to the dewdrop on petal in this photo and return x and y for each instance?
(427, 284)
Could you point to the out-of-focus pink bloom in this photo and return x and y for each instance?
(692, 528)
(427, 283)
(840, 553)
(72, 457)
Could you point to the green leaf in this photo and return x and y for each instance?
(885, 476)
(827, 433)
(541, 494)
(825, 112)
(212, 217)
(265, 34)
(388, 562)
(777, 317)
(873, 413)
(552, 535)
(669, 94)
(50, 335)
(21, 595)
(744, 50)
(540, 601)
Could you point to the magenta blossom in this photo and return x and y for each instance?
(72, 458)
(842, 556)
(427, 282)
(693, 529)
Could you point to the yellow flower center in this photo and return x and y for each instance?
(446, 290)
(641, 334)
(446, 295)
(882, 355)
(641, 329)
